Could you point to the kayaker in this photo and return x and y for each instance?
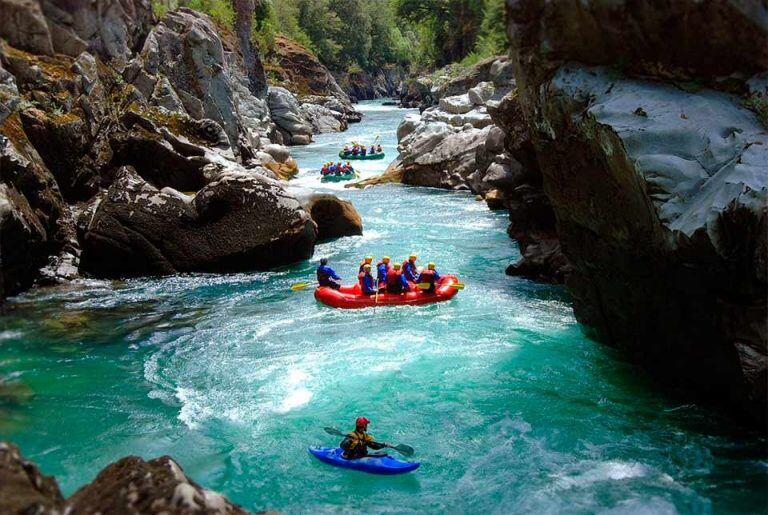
(410, 271)
(326, 275)
(382, 267)
(367, 260)
(396, 281)
(356, 443)
(367, 283)
(429, 276)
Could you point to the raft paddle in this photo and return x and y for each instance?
(299, 286)
(425, 286)
(405, 450)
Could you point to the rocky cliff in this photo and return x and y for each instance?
(130, 485)
(134, 146)
(658, 175)
(475, 139)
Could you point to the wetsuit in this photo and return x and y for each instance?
(431, 277)
(409, 271)
(327, 277)
(381, 272)
(367, 284)
(356, 444)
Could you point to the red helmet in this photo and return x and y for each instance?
(362, 421)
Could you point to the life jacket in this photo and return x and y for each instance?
(428, 276)
(370, 288)
(394, 281)
(355, 445)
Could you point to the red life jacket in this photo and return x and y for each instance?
(393, 280)
(427, 276)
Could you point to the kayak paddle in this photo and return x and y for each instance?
(405, 450)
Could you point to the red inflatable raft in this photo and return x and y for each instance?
(351, 297)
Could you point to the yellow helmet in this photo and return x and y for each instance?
(431, 266)
(367, 267)
(412, 257)
(397, 266)
(385, 259)
(368, 259)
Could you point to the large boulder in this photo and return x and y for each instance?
(323, 119)
(157, 486)
(334, 217)
(239, 221)
(660, 192)
(23, 488)
(287, 114)
(129, 485)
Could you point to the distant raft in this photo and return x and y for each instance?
(351, 297)
(339, 178)
(360, 157)
(372, 464)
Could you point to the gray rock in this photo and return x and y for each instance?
(239, 221)
(186, 48)
(287, 114)
(407, 126)
(458, 104)
(279, 152)
(495, 141)
(481, 93)
(165, 96)
(23, 25)
(323, 119)
(114, 30)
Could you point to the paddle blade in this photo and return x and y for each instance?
(405, 450)
(333, 431)
(424, 286)
(299, 286)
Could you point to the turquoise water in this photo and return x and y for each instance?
(510, 408)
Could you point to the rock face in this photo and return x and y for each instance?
(469, 141)
(660, 192)
(130, 485)
(239, 221)
(365, 85)
(287, 114)
(156, 130)
(299, 70)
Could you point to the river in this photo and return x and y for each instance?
(510, 408)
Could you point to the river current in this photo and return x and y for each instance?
(510, 407)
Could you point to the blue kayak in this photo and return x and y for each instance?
(372, 464)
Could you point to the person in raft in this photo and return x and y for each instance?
(367, 284)
(410, 271)
(326, 276)
(382, 267)
(366, 261)
(396, 281)
(378, 149)
(355, 445)
(372, 151)
(363, 150)
(430, 277)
